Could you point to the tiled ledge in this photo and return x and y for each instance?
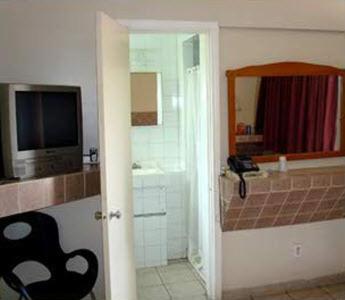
(295, 197)
(40, 193)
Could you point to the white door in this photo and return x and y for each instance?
(113, 82)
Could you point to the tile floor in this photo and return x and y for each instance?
(176, 281)
(326, 292)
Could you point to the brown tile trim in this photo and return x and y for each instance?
(283, 199)
(144, 118)
(44, 192)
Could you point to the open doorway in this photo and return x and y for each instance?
(172, 173)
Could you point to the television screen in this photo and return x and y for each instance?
(46, 119)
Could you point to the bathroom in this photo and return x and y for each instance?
(169, 154)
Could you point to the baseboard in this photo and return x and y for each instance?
(282, 287)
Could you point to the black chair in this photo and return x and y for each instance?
(42, 245)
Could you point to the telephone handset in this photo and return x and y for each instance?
(241, 164)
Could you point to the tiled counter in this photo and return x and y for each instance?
(23, 196)
(298, 196)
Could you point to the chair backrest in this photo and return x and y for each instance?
(41, 244)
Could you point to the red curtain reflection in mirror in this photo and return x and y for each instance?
(298, 113)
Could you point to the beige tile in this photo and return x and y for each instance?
(296, 196)
(315, 194)
(233, 213)
(284, 220)
(9, 200)
(227, 188)
(321, 180)
(327, 204)
(335, 214)
(256, 199)
(32, 195)
(309, 207)
(319, 216)
(236, 201)
(302, 218)
(92, 184)
(309, 294)
(301, 182)
(277, 198)
(148, 277)
(250, 212)
(264, 222)
(153, 293)
(229, 224)
(55, 189)
(289, 209)
(334, 192)
(283, 184)
(245, 224)
(74, 187)
(337, 291)
(338, 179)
(260, 186)
(185, 289)
(270, 211)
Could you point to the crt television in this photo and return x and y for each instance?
(41, 130)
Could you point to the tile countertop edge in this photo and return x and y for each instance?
(35, 194)
(295, 197)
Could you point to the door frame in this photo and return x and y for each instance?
(211, 29)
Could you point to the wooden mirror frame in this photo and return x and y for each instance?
(278, 70)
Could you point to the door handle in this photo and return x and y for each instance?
(117, 214)
(99, 216)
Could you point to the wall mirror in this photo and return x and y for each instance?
(291, 109)
(146, 95)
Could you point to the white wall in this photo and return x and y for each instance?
(243, 47)
(244, 263)
(26, 25)
(266, 256)
(51, 41)
(36, 47)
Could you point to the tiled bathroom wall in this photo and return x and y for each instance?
(158, 53)
(176, 215)
(161, 144)
(150, 220)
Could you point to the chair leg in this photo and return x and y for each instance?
(92, 295)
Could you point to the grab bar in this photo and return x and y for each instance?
(160, 214)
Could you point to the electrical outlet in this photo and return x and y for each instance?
(297, 250)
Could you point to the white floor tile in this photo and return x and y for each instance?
(185, 289)
(176, 281)
(148, 277)
(153, 293)
(175, 276)
(173, 267)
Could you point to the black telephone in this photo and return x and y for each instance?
(241, 164)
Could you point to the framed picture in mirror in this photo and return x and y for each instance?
(146, 95)
(290, 108)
